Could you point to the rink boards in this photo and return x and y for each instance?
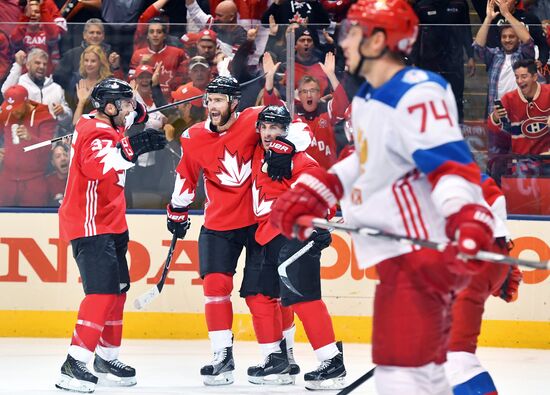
(40, 288)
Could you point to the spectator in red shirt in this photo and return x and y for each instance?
(172, 71)
(57, 179)
(23, 123)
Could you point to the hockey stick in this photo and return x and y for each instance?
(357, 382)
(55, 140)
(494, 257)
(148, 296)
(169, 105)
(282, 267)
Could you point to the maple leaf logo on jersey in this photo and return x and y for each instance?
(185, 195)
(260, 205)
(232, 173)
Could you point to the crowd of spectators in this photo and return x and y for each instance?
(170, 49)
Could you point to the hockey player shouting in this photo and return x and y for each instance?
(413, 174)
(92, 217)
(273, 126)
(222, 147)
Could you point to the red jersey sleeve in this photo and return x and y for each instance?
(187, 175)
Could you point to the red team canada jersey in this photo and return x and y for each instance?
(94, 200)
(265, 191)
(226, 161)
(529, 121)
(172, 69)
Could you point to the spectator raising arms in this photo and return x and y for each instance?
(515, 44)
(22, 123)
(40, 87)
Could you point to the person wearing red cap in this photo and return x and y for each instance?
(413, 174)
(22, 123)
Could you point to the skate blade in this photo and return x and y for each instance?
(110, 380)
(68, 383)
(330, 384)
(273, 379)
(225, 378)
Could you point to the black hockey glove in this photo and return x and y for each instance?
(279, 159)
(177, 220)
(141, 114)
(321, 238)
(146, 141)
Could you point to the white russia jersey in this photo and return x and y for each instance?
(411, 167)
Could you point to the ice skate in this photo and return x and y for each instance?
(220, 370)
(76, 377)
(114, 373)
(294, 368)
(330, 375)
(275, 370)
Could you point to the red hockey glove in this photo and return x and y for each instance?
(471, 229)
(313, 194)
(509, 289)
(177, 220)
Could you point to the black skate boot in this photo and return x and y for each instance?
(275, 370)
(114, 373)
(220, 370)
(330, 375)
(294, 368)
(76, 377)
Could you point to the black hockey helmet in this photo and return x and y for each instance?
(110, 90)
(225, 85)
(274, 114)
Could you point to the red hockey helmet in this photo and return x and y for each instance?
(395, 17)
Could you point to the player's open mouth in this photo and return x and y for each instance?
(309, 102)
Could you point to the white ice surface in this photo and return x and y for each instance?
(31, 366)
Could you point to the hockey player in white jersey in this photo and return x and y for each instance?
(412, 174)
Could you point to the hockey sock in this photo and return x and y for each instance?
(218, 310)
(266, 318)
(111, 337)
(92, 315)
(317, 322)
(288, 334)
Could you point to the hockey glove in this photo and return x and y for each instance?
(313, 194)
(321, 239)
(141, 113)
(470, 230)
(146, 141)
(509, 289)
(177, 220)
(279, 159)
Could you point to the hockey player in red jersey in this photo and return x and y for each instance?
(92, 218)
(222, 147)
(412, 173)
(273, 126)
(464, 370)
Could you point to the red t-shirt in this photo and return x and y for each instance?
(94, 200)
